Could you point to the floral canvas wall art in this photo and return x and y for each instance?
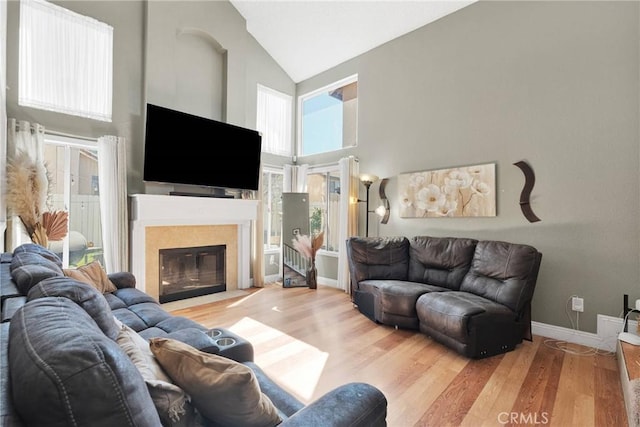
(468, 191)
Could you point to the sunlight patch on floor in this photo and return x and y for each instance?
(245, 299)
(294, 364)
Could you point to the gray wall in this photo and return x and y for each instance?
(553, 83)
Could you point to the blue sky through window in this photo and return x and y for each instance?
(322, 129)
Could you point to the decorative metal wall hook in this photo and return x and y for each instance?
(529, 181)
(384, 200)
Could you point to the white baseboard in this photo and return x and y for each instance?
(323, 280)
(606, 339)
(273, 278)
(328, 282)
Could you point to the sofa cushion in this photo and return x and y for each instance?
(39, 250)
(8, 288)
(128, 297)
(398, 296)
(440, 261)
(503, 272)
(92, 274)
(455, 314)
(32, 263)
(224, 391)
(145, 315)
(10, 306)
(151, 313)
(383, 258)
(65, 371)
(86, 296)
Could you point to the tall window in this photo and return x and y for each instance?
(328, 118)
(65, 61)
(323, 186)
(274, 121)
(272, 184)
(73, 166)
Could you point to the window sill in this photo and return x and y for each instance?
(324, 252)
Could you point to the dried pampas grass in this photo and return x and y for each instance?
(308, 246)
(39, 235)
(28, 190)
(25, 191)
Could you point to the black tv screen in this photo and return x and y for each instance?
(182, 148)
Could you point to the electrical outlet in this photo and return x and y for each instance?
(577, 304)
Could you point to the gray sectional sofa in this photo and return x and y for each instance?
(61, 362)
(473, 296)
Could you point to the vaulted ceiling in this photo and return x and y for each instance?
(307, 37)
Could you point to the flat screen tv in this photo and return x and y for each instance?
(182, 148)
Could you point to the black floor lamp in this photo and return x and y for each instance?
(367, 179)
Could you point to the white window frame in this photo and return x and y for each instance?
(68, 143)
(276, 127)
(299, 125)
(326, 170)
(267, 224)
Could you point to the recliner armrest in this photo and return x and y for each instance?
(123, 279)
(195, 338)
(352, 405)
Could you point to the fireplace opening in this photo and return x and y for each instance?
(192, 272)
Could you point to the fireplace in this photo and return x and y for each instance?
(191, 272)
(163, 222)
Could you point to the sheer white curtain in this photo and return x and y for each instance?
(274, 120)
(24, 138)
(65, 61)
(287, 179)
(258, 237)
(295, 178)
(348, 216)
(112, 177)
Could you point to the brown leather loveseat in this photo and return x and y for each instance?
(473, 296)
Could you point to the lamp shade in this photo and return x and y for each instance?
(367, 178)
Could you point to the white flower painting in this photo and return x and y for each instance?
(458, 192)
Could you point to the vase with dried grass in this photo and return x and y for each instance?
(308, 247)
(28, 192)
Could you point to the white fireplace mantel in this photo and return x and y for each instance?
(150, 210)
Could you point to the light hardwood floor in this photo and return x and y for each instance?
(311, 341)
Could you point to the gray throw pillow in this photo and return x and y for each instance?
(172, 403)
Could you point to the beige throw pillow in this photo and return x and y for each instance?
(224, 391)
(171, 402)
(92, 274)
